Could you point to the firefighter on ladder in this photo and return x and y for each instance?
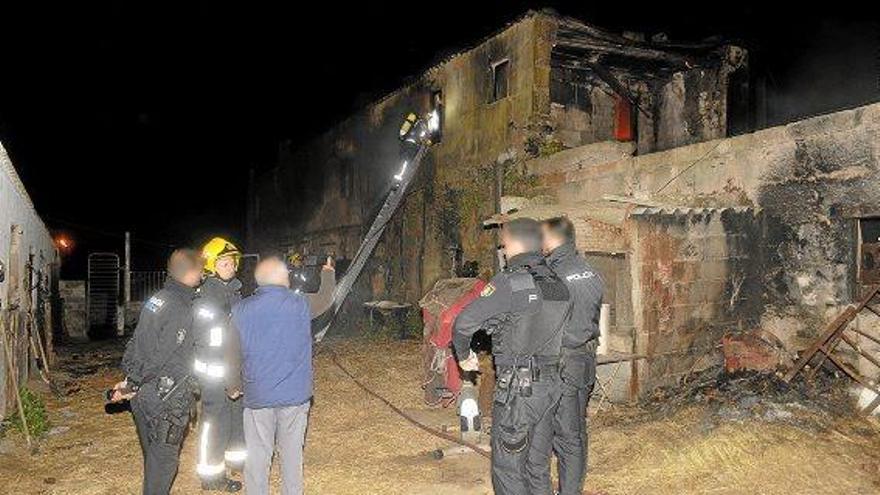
(221, 438)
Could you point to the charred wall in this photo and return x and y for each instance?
(811, 180)
(641, 92)
(695, 276)
(813, 201)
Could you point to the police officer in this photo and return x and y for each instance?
(524, 309)
(221, 439)
(157, 364)
(567, 427)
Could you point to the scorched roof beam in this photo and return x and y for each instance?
(631, 51)
(616, 86)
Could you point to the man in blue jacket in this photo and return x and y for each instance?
(274, 330)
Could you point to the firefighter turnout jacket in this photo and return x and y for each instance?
(221, 439)
(524, 309)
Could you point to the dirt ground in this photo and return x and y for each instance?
(708, 442)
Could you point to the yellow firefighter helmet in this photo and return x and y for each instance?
(217, 248)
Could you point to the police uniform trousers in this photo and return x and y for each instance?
(221, 435)
(515, 415)
(161, 427)
(564, 431)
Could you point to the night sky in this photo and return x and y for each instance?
(147, 116)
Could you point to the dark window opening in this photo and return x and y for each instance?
(500, 80)
(869, 251)
(570, 88)
(624, 125)
(739, 110)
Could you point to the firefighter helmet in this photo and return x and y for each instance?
(217, 248)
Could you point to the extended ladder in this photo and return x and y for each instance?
(416, 137)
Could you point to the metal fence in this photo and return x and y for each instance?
(145, 284)
(103, 290)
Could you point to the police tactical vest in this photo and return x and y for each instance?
(540, 308)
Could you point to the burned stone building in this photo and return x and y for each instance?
(698, 225)
(542, 84)
(772, 231)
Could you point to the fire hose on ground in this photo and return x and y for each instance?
(433, 431)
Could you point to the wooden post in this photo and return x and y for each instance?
(14, 275)
(48, 322)
(8, 351)
(498, 192)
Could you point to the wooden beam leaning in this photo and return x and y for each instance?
(866, 335)
(858, 349)
(8, 351)
(828, 348)
(835, 326)
(833, 331)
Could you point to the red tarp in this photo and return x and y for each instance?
(440, 307)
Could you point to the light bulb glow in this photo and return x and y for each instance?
(433, 121)
(399, 176)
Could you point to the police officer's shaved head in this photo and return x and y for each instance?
(558, 231)
(272, 271)
(185, 266)
(521, 235)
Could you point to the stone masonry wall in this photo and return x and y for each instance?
(73, 304)
(810, 179)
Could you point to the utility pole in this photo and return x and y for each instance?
(126, 288)
(498, 192)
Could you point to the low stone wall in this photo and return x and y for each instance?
(132, 313)
(73, 304)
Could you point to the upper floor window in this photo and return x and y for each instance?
(500, 80)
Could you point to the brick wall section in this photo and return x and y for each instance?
(691, 275)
